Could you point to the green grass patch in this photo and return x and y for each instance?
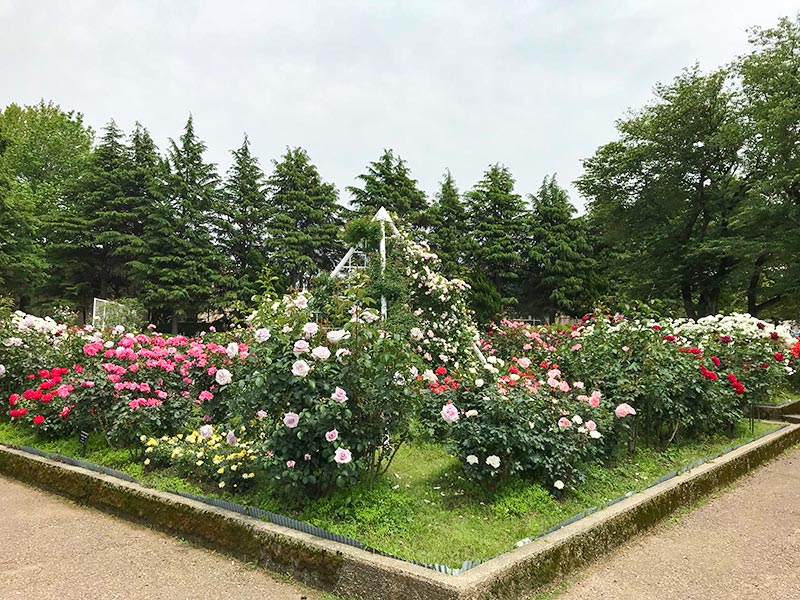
(783, 396)
(424, 509)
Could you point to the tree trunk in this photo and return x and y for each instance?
(174, 322)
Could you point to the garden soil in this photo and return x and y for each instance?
(53, 549)
(743, 544)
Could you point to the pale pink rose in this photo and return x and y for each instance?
(231, 437)
(625, 348)
(291, 420)
(416, 333)
(261, 415)
(321, 353)
(554, 373)
(336, 336)
(577, 347)
(450, 413)
(262, 335)
(369, 317)
(524, 362)
(342, 456)
(578, 385)
(300, 368)
(563, 386)
(339, 395)
(205, 431)
(594, 399)
(623, 410)
(301, 346)
(527, 347)
(553, 382)
(342, 352)
(564, 422)
(310, 329)
(307, 457)
(232, 350)
(591, 425)
(300, 302)
(290, 464)
(332, 435)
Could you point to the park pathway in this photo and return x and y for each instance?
(743, 544)
(53, 549)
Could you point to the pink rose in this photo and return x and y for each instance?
(342, 456)
(205, 431)
(594, 399)
(231, 437)
(310, 329)
(300, 368)
(291, 420)
(524, 363)
(563, 386)
(261, 414)
(623, 410)
(301, 346)
(564, 422)
(591, 425)
(450, 413)
(339, 395)
(290, 464)
(332, 435)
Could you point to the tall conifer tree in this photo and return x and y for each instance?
(306, 222)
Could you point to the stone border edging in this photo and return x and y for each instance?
(352, 572)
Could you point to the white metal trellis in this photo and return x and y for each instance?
(348, 266)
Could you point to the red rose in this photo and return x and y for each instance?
(779, 357)
(441, 371)
(715, 360)
(38, 420)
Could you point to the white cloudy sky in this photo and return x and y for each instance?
(535, 85)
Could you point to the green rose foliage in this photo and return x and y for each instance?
(332, 406)
(498, 435)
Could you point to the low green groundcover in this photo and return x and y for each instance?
(423, 509)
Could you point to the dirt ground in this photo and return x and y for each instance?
(743, 544)
(53, 549)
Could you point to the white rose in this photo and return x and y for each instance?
(321, 353)
(493, 461)
(262, 335)
(223, 377)
(232, 350)
(336, 336)
(479, 383)
(558, 484)
(472, 459)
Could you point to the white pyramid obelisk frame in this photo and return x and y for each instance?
(384, 218)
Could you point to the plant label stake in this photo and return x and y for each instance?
(84, 438)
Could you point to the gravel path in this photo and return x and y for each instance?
(743, 544)
(53, 549)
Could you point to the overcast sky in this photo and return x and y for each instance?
(535, 85)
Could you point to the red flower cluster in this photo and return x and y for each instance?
(710, 375)
(738, 386)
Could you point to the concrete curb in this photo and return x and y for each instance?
(352, 572)
(776, 411)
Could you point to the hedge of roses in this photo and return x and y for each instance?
(307, 400)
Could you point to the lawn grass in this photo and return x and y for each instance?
(424, 509)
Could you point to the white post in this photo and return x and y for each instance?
(343, 262)
(383, 266)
